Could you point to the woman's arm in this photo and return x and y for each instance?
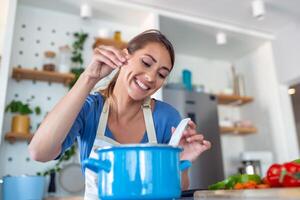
(193, 145)
(185, 181)
(47, 141)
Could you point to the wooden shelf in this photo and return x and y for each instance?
(13, 137)
(109, 42)
(238, 130)
(233, 99)
(39, 75)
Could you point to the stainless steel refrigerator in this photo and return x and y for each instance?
(202, 109)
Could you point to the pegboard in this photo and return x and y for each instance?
(36, 31)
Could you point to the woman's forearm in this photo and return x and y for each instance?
(46, 143)
(185, 182)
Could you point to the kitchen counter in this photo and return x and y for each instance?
(255, 194)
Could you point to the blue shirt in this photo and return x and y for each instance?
(86, 124)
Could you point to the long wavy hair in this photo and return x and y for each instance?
(139, 42)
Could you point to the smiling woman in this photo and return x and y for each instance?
(123, 113)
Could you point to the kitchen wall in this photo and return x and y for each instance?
(286, 54)
(266, 111)
(3, 17)
(213, 74)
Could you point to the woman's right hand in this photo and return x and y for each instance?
(105, 60)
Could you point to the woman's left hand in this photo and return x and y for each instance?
(193, 144)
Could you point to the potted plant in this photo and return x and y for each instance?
(21, 121)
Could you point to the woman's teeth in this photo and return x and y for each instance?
(143, 86)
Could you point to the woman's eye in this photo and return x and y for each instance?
(146, 64)
(162, 76)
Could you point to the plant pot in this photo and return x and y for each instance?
(20, 124)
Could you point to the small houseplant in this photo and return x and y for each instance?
(21, 120)
(77, 58)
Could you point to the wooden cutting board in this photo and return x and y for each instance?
(270, 194)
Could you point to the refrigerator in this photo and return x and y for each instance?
(202, 109)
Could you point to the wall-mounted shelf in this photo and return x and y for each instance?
(109, 42)
(32, 74)
(13, 137)
(238, 130)
(233, 99)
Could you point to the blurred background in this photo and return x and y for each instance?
(236, 74)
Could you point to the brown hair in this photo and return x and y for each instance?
(139, 42)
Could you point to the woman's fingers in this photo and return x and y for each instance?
(207, 144)
(192, 124)
(120, 55)
(103, 59)
(195, 138)
(109, 55)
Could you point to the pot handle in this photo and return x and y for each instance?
(97, 165)
(184, 164)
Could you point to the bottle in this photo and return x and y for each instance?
(187, 79)
(64, 63)
(117, 36)
(49, 61)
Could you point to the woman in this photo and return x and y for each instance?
(122, 112)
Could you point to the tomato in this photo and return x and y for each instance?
(273, 175)
(291, 174)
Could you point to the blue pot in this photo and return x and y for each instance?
(138, 171)
(23, 187)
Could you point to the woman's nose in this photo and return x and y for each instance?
(150, 76)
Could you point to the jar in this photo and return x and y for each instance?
(64, 61)
(117, 36)
(49, 61)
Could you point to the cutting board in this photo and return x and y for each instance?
(273, 193)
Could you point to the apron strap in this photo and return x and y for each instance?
(149, 121)
(103, 120)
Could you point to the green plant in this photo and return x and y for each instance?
(80, 38)
(21, 108)
(57, 167)
(77, 49)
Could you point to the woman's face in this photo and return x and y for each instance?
(146, 71)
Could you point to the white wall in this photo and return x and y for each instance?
(3, 17)
(286, 54)
(213, 74)
(266, 112)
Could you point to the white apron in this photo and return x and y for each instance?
(91, 178)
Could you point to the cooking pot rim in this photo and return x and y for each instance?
(145, 145)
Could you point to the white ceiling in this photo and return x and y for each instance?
(190, 37)
(279, 13)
